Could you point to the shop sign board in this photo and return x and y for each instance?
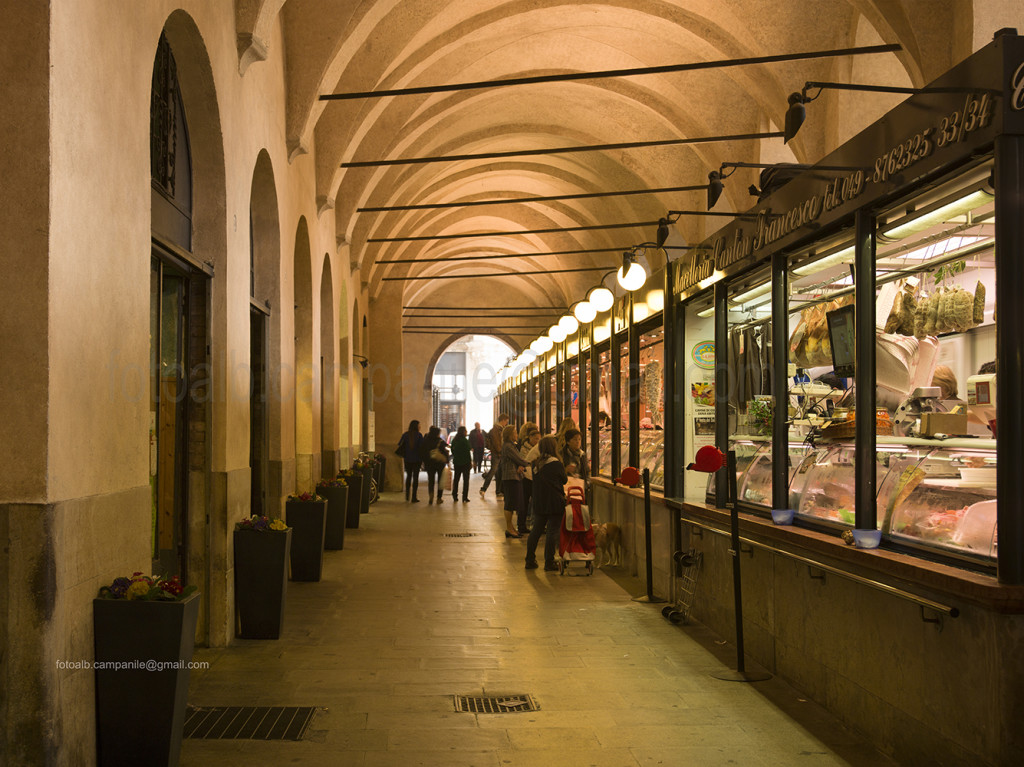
(962, 110)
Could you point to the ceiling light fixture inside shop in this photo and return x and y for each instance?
(940, 212)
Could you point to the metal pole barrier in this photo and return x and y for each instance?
(649, 569)
(740, 674)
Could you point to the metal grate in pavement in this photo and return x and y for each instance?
(458, 535)
(247, 722)
(501, 704)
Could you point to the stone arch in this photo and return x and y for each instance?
(208, 416)
(306, 384)
(265, 290)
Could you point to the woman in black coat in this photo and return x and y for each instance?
(409, 449)
(549, 480)
(431, 445)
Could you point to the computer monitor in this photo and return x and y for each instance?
(842, 337)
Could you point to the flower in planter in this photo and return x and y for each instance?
(305, 497)
(148, 588)
(336, 482)
(261, 524)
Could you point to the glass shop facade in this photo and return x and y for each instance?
(856, 338)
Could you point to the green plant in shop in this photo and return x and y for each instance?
(760, 413)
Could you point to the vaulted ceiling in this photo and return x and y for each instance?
(345, 46)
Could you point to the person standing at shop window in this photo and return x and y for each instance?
(573, 457)
(529, 436)
(510, 474)
(494, 443)
(548, 504)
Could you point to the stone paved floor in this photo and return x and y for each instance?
(405, 618)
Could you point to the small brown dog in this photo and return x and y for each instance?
(608, 537)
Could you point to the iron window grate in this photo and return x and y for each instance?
(498, 704)
(247, 722)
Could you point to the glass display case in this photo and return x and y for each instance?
(746, 449)
(938, 495)
(944, 497)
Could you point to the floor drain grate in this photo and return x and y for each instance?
(459, 535)
(247, 722)
(502, 704)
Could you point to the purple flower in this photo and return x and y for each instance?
(120, 587)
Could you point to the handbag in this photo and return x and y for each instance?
(446, 478)
(437, 456)
(400, 450)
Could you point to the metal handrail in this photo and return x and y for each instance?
(938, 607)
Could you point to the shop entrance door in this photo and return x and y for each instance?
(169, 300)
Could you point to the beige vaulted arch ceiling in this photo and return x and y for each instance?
(340, 46)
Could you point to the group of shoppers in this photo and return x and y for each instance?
(432, 454)
(524, 466)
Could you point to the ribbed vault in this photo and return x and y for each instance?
(339, 46)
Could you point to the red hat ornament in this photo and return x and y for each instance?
(630, 477)
(709, 459)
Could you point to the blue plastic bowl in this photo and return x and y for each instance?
(782, 516)
(867, 539)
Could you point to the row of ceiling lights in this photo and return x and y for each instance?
(632, 275)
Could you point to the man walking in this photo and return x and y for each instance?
(494, 442)
(477, 441)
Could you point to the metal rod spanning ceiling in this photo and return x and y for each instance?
(560, 150)
(611, 73)
(460, 329)
(523, 309)
(456, 321)
(495, 274)
(498, 256)
(517, 200)
(556, 230)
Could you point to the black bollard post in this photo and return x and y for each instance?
(740, 674)
(649, 569)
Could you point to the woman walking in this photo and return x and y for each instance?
(510, 472)
(409, 449)
(548, 504)
(462, 460)
(434, 454)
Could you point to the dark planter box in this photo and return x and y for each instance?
(364, 502)
(261, 582)
(308, 520)
(337, 508)
(140, 714)
(382, 470)
(355, 496)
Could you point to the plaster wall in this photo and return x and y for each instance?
(397, 392)
(75, 498)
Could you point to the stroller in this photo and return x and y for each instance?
(576, 542)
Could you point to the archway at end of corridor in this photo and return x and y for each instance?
(465, 380)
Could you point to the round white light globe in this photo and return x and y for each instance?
(601, 299)
(585, 312)
(569, 324)
(556, 334)
(634, 278)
